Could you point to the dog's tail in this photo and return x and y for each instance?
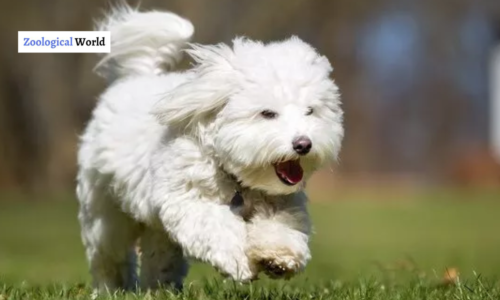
(142, 42)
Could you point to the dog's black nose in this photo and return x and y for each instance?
(302, 145)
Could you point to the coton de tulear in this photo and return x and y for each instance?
(209, 163)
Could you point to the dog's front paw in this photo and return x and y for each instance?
(236, 267)
(276, 249)
(278, 263)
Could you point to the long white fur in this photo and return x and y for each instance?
(157, 159)
(143, 43)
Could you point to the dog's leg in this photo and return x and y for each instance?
(210, 232)
(278, 235)
(108, 236)
(162, 261)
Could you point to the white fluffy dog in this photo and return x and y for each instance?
(207, 164)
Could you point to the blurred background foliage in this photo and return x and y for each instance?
(413, 76)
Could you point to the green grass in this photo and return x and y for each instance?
(362, 249)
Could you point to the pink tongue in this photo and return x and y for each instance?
(291, 170)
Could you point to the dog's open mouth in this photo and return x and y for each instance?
(289, 172)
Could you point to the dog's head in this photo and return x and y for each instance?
(269, 113)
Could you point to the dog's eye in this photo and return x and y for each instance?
(268, 114)
(309, 111)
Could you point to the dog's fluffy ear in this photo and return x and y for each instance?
(208, 91)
